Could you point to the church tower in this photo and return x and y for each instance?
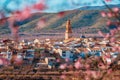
(68, 32)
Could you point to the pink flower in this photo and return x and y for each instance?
(87, 78)
(108, 0)
(1, 62)
(115, 9)
(63, 66)
(109, 14)
(112, 32)
(108, 22)
(87, 66)
(100, 33)
(67, 59)
(77, 65)
(108, 61)
(58, 60)
(114, 48)
(21, 15)
(109, 71)
(25, 13)
(39, 6)
(103, 14)
(107, 35)
(96, 74)
(112, 39)
(18, 60)
(63, 77)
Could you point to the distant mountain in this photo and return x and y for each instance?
(98, 7)
(82, 21)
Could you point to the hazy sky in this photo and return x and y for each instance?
(52, 5)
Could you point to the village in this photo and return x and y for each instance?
(71, 54)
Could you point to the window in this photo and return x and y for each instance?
(63, 54)
(71, 56)
(63, 51)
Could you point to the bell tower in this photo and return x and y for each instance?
(68, 32)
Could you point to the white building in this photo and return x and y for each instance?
(66, 53)
(50, 61)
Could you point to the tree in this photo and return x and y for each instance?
(113, 23)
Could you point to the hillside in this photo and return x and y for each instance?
(85, 21)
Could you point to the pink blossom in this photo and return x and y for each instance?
(108, 22)
(63, 77)
(1, 62)
(87, 66)
(100, 33)
(18, 60)
(87, 78)
(112, 32)
(58, 60)
(21, 15)
(114, 48)
(88, 72)
(108, 61)
(77, 65)
(67, 59)
(103, 14)
(96, 74)
(25, 13)
(39, 6)
(112, 39)
(107, 35)
(109, 14)
(109, 71)
(63, 66)
(115, 9)
(108, 0)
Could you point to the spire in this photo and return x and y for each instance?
(68, 27)
(68, 32)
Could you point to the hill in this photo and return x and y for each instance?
(85, 21)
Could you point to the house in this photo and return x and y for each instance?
(66, 53)
(41, 65)
(36, 41)
(3, 46)
(95, 51)
(50, 61)
(29, 55)
(6, 55)
(81, 52)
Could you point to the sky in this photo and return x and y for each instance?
(52, 6)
